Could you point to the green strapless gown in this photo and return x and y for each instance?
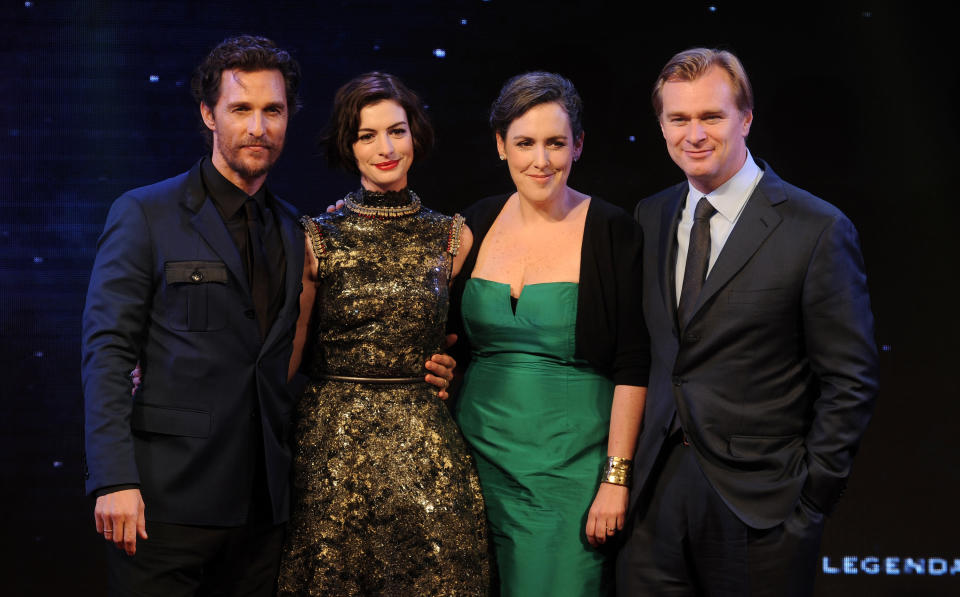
(537, 421)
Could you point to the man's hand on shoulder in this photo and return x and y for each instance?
(119, 517)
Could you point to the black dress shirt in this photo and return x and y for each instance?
(229, 200)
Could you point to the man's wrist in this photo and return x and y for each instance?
(114, 488)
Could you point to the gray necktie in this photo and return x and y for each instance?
(698, 256)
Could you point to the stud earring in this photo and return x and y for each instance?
(502, 157)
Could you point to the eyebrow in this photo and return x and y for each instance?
(394, 125)
(515, 137)
(704, 114)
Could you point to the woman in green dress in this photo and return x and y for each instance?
(553, 396)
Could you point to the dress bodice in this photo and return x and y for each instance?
(382, 296)
(543, 324)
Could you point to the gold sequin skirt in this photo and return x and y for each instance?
(386, 497)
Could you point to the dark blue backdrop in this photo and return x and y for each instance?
(855, 102)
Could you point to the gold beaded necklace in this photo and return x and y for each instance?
(373, 211)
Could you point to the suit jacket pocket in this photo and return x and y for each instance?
(170, 420)
(195, 291)
(758, 297)
(762, 447)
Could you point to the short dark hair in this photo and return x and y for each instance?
(246, 53)
(340, 132)
(525, 91)
(692, 64)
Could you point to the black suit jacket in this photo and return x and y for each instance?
(775, 376)
(168, 288)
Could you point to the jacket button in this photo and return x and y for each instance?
(250, 313)
(677, 381)
(196, 276)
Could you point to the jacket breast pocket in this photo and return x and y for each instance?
(195, 293)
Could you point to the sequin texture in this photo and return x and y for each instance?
(386, 495)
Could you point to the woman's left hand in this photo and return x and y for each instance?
(607, 514)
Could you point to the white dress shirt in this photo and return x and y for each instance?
(728, 199)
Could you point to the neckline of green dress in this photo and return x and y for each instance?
(525, 286)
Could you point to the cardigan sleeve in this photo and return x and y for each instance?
(611, 332)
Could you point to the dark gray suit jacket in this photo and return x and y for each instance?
(775, 376)
(168, 289)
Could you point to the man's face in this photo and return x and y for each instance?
(249, 123)
(705, 131)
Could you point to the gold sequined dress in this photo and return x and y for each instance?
(386, 495)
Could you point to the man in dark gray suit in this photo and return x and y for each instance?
(764, 369)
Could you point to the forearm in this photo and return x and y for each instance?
(838, 329)
(307, 297)
(625, 417)
(115, 317)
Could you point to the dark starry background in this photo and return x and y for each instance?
(855, 101)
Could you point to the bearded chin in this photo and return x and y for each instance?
(250, 171)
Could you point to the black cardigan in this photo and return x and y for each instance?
(610, 331)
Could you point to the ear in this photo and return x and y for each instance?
(207, 115)
(747, 121)
(578, 146)
(501, 147)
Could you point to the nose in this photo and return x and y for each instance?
(255, 124)
(695, 132)
(540, 156)
(386, 146)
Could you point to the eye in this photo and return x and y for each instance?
(678, 120)
(712, 119)
(558, 144)
(398, 132)
(525, 143)
(366, 137)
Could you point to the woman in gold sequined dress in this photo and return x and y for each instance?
(386, 499)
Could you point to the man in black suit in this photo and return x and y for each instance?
(764, 367)
(197, 278)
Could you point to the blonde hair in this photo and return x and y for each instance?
(692, 64)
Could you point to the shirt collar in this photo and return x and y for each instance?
(228, 196)
(730, 197)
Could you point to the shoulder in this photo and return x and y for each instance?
(151, 203)
(428, 215)
(604, 216)
(796, 203)
(169, 189)
(285, 209)
(485, 209)
(653, 203)
(605, 211)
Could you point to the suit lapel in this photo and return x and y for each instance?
(669, 216)
(210, 225)
(207, 222)
(758, 220)
(293, 252)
